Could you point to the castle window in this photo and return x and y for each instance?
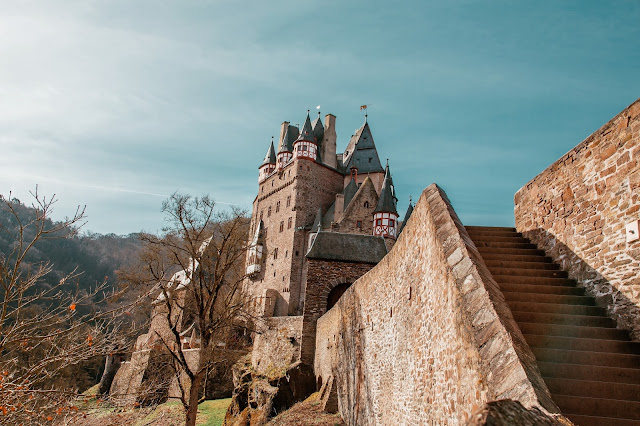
(297, 252)
(275, 253)
(370, 159)
(261, 214)
(281, 225)
(392, 223)
(269, 212)
(378, 222)
(288, 200)
(277, 206)
(286, 253)
(366, 204)
(289, 223)
(359, 224)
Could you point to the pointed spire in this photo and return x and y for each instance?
(407, 215)
(290, 135)
(387, 200)
(306, 134)
(317, 224)
(270, 158)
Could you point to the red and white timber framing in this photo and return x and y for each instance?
(385, 224)
(306, 149)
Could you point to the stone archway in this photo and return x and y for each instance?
(336, 293)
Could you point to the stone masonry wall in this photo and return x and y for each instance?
(277, 343)
(425, 337)
(322, 277)
(576, 210)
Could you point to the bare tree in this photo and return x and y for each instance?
(198, 268)
(44, 327)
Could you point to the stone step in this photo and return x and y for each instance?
(504, 244)
(490, 228)
(507, 257)
(591, 388)
(556, 308)
(600, 421)
(598, 406)
(534, 264)
(562, 319)
(533, 280)
(583, 344)
(528, 272)
(573, 331)
(587, 357)
(548, 298)
(589, 372)
(542, 288)
(510, 251)
(489, 238)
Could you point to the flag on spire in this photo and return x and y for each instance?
(363, 107)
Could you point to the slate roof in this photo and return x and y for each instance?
(317, 224)
(318, 129)
(270, 158)
(290, 135)
(361, 152)
(306, 134)
(407, 215)
(349, 191)
(387, 200)
(347, 247)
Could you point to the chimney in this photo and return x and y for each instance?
(329, 141)
(283, 129)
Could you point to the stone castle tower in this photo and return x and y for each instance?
(317, 214)
(306, 189)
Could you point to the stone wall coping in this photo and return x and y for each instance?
(582, 145)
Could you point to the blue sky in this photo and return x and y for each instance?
(117, 104)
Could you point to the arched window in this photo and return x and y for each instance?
(366, 204)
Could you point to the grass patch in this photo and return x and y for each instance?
(211, 413)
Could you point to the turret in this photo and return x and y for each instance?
(306, 146)
(269, 164)
(406, 216)
(254, 263)
(285, 150)
(385, 216)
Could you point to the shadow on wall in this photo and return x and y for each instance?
(357, 397)
(618, 306)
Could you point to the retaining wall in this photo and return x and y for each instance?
(576, 210)
(426, 337)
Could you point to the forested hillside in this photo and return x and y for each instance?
(95, 256)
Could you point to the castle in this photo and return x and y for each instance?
(429, 321)
(317, 214)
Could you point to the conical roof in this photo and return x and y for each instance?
(349, 191)
(318, 129)
(290, 135)
(407, 215)
(306, 134)
(270, 158)
(387, 201)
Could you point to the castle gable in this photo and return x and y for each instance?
(358, 213)
(361, 153)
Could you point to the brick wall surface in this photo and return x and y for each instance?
(425, 337)
(576, 210)
(277, 343)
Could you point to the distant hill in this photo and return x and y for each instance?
(95, 256)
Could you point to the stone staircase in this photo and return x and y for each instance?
(591, 368)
